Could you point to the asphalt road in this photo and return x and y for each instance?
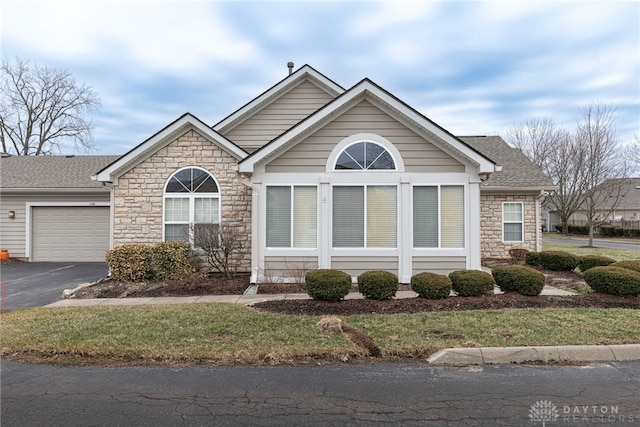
(40, 283)
(334, 395)
(598, 243)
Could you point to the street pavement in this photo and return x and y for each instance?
(332, 395)
(598, 243)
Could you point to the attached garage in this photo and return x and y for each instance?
(69, 233)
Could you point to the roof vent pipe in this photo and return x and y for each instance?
(290, 65)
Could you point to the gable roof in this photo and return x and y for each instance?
(51, 173)
(161, 139)
(366, 89)
(517, 170)
(629, 190)
(306, 72)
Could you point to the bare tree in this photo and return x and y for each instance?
(604, 167)
(537, 137)
(42, 108)
(633, 152)
(222, 245)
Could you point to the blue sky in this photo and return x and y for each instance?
(475, 68)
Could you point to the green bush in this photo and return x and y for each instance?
(586, 262)
(613, 280)
(632, 264)
(471, 283)
(431, 285)
(524, 280)
(174, 260)
(327, 284)
(558, 260)
(532, 258)
(607, 230)
(130, 263)
(378, 284)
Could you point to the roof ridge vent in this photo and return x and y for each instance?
(69, 156)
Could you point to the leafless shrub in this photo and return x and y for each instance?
(518, 254)
(222, 245)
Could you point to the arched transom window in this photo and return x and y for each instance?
(191, 197)
(365, 155)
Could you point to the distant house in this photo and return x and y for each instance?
(321, 176)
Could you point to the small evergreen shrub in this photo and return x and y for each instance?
(174, 260)
(130, 263)
(518, 254)
(607, 230)
(431, 285)
(632, 264)
(327, 284)
(378, 284)
(613, 280)
(524, 280)
(588, 261)
(558, 260)
(471, 283)
(532, 258)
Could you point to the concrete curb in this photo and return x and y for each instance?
(507, 355)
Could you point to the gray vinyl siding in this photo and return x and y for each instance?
(291, 267)
(439, 265)
(356, 265)
(13, 231)
(311, 154)
(272, 120)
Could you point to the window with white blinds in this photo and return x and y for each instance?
(512, 221)
(438, 216)
(365, 216)
(292, 216)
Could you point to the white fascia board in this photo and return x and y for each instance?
(159, 140)
(484, 165)
(302, 73)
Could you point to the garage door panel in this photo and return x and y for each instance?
(69, 233)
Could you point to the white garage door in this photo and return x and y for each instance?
(69, 233)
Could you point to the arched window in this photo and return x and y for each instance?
(365, 155)
(191, 197)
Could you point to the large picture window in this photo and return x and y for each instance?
(365, 216)
(292, 216)
(512, 221)
(438, 216)
(191, 196)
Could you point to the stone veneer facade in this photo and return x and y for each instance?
(491, 244)
(139, 195)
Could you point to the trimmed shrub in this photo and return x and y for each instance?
(130, 263)
(607, 230)
(632, 264)
(518, 254)
(524, 280)
(431, 285)
(588, 261)
(532, 258)
(558, 260)
(378, 284)
(471, 283)
(174, 260)
(327, 284)
(613, 280)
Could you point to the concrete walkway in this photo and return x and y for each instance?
(446, 357)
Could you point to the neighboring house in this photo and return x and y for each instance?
(625, 212)
(318, 176)
(51, 210)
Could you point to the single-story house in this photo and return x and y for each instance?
(318, 176)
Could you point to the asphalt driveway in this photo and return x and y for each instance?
(37, 284)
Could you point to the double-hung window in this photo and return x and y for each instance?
(512, 221)
(191, 197)
(438, 216)
(292, 216)
(365, 216)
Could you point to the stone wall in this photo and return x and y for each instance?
(491, 244)
(139, 194)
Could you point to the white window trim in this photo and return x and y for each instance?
(521, 222)
(364, 137)
(291, 250)
(192, 197)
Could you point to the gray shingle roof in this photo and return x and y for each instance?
(630, 191)
(517, 170)
(51, 172)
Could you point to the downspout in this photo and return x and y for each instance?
(255, 193)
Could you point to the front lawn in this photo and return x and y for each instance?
(223, 334)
